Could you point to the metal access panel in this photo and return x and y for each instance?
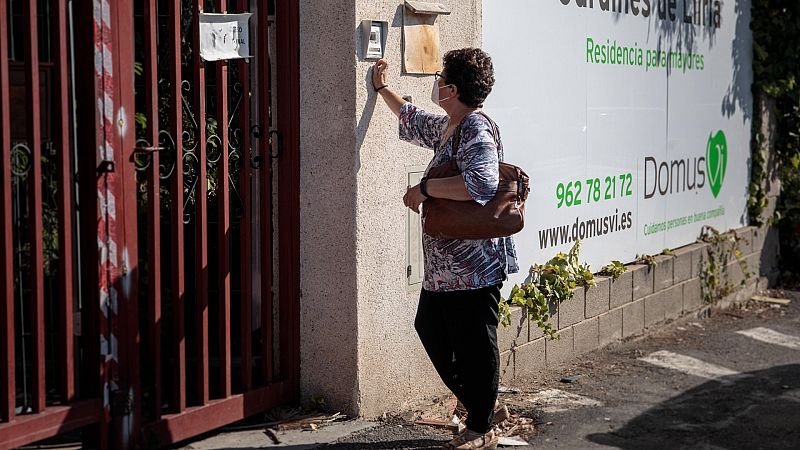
(415, 264)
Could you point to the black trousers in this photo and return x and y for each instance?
(459, 332)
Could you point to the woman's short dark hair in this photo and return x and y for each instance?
(470, 69)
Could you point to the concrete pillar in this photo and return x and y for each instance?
(359, 350)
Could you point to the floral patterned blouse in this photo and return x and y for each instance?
(453, 265)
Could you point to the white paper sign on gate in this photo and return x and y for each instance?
(224, 36)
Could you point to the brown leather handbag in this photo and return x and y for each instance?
(503, 216)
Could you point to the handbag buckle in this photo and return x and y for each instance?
(521, 189)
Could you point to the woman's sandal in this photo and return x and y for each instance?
(500, 414)
(470, 440)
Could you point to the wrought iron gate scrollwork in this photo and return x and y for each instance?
(235, 138)
(21, 160)
(190, 162)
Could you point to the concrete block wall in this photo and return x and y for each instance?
(641, 298)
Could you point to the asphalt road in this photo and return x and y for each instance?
(730, 380)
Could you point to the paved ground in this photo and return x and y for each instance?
(728, 381)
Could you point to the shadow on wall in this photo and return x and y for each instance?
(372, 97)
(668, 30)
(366, 117)
(740, 411)
(739, 91)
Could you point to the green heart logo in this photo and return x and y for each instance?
(716, 161)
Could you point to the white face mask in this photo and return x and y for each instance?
(435, 93)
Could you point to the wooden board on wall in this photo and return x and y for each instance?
(421, 54)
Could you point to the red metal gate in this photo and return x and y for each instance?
(143, 297)
(45, 381)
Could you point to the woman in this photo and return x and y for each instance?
(457, 316)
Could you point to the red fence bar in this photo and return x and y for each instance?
(288, 74)
(122, 223)
(7, 377)
(57, 419)
(34, 136)
(201, 216)
(178, 266)
(66, 377)
(223, 207)
(246, 297)
(154, 204)
(217, 413)
(265, 190)
(90, 138)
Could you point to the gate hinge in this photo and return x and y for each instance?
(121, 403)
(408, 271)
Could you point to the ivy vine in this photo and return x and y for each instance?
(714, 277)
(757, 199)
(614, 269)
(776, 65)
(648, 260)
(548, 285)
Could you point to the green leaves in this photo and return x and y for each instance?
(649, 260)
(757, 199)
(505, 314)
(614, 269)
(775, 29)
(714, 274)
(141, 120)
(550, 284)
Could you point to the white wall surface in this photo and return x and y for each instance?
(566, 118)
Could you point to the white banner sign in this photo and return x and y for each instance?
(631, 117)
(224, 36)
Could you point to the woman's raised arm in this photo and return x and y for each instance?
(380, 84)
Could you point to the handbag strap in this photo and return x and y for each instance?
(456, 139)
(457, 134)
(495, 132)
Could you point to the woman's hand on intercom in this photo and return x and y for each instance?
(379, 74)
